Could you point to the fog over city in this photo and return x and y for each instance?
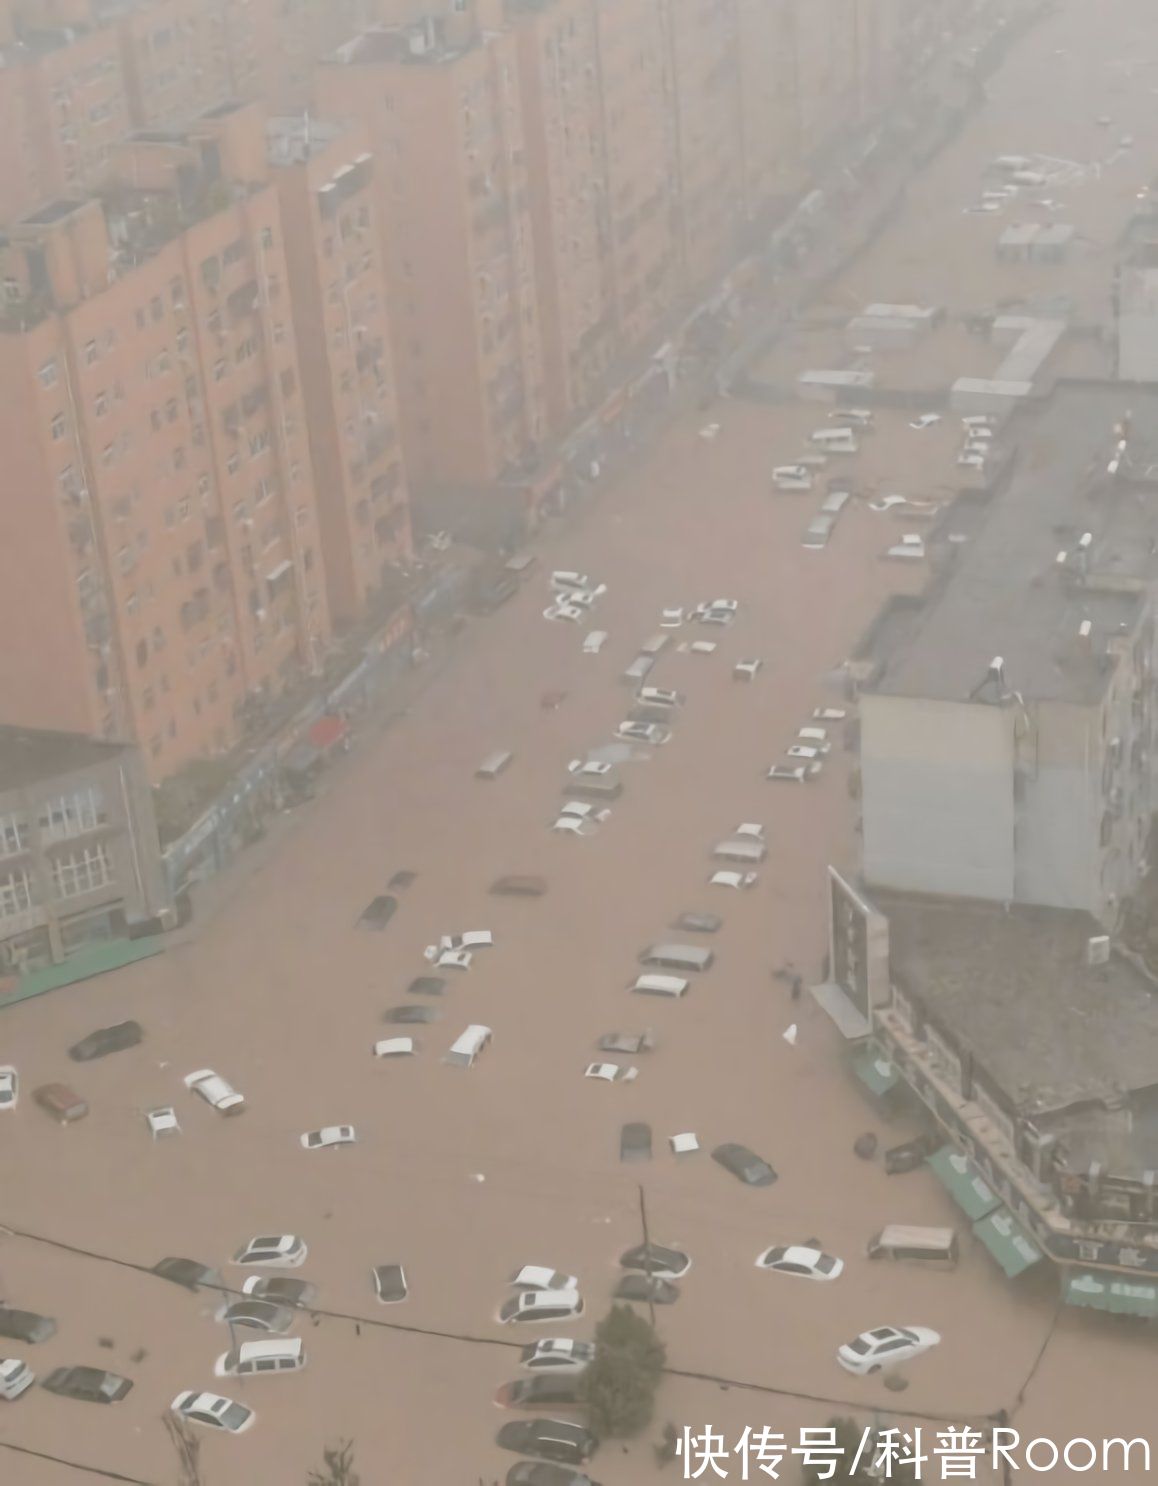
(578, 741)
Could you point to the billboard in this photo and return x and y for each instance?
(858, 946)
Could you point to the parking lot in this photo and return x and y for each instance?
(464, 1174)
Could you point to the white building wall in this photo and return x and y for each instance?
(1059, 809)
(937, 785)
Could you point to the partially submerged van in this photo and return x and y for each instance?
(921, 1245)
(466, 1048)
(659, 985)
(595, 786)
(835, 440)
(654, 644)
(746, 849)
(638, 670)
(792, 477)
(677, 957)
(494, 764)
(255, 1359)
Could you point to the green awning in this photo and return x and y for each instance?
(1007, 1241)
(1102, 1293)
(964, 1183)
(94, 959)
(874, 1070)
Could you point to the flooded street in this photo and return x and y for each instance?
(464, 1175)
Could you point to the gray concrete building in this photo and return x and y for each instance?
(80, 862)
(1138, 324)
(1007, 717)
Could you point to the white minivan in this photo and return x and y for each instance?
(835, 440)
(465, 1049)
(792, 477)
(746, 849)
(255, 1359)
(659, 985)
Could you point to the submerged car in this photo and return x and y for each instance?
(25, 1326)
(744, 1164)
(187, 1273)
(216, 1091)
(328, 1137)
(557, 1354)
(214, 1411)
(801, 1260)
(106, 1040)
(656, 1259)
(276, 1251)
(89, 1384)
(872, 1350)
(646, 1287)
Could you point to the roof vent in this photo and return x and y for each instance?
(1098, 949)
(993, 682)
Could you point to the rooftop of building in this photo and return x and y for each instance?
(1015, 990)
(423, 43)
(34, 755)
(296, 138)
(1006, 592)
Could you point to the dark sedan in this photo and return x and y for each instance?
(541, 1473)
(187, 1273)
(378, 912)
(646, 1287)
(750, 1168)
(106, 1040)
(25, 1326)
(409, 1016)
(89, 1384)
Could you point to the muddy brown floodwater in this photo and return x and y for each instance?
(281, 994)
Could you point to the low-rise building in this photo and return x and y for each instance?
(1032, 1041)
(80, 863)
(1007, 718)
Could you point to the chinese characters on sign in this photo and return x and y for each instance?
(919, 1454)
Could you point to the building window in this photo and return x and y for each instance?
(100, 404)
(13, 835)
(47, 374)
(69, 815)
(182, 342)
(58, 427)
(177, 294)
(156, 307)
(267, 237)
(82, 871)
(234, 252)
(15, 894)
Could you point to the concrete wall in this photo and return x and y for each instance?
(1138, 347)
(1059, 810)
(938, 796)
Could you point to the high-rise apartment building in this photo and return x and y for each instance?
(62, 92)
(325, 179)
(440, 101)
(567, 168)
(160, 549)
(176, 56)
(642, 186)
(706, 133)
(769, 107)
